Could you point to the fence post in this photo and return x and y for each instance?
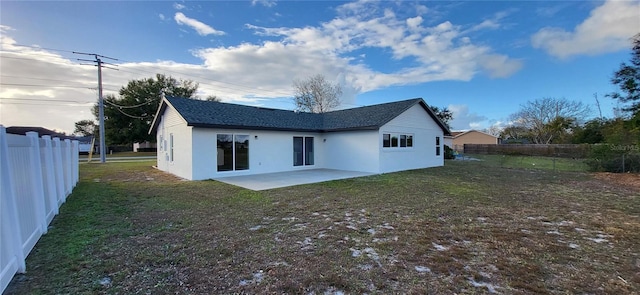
(623, 168)
(68, 168)
(37, 182)
(9, 231)
(58, 171)
(75, 161)
(48, 174)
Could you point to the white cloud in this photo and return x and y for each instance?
(551, 11)
(486, 24)
(179, 6)
(262, 72)
(421, 9)
(200, 27)
(441, 52)
(414, 22)
(49, 105)
(463, 119)
(161, 16)
(607, 29)
(499, 66)
(266, 3)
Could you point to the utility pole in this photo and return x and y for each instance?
(595, 95)
(99, 62)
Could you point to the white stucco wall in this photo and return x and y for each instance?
(415, 121)
(172, 123)
(195, 149)
(271, 151)
(352, 150)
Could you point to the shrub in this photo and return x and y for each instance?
(614, 158)
(448, 153)
(147, 149)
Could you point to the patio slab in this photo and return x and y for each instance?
(267, 181)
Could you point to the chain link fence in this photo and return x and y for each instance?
(597, 157)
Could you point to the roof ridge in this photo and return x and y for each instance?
(214, 114)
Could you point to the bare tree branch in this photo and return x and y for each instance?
(316, 94)
(548, 117)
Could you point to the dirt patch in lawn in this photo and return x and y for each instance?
(625, 179)
(463, 228)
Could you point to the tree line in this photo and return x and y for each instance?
(128, 115)
(559, 120)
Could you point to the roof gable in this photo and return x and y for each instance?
(22, 130)
(199, 113)
(457, 134)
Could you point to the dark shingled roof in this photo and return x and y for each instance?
(200, 113)
(22, 130)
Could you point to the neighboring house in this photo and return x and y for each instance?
(448, 140)
(205, 139)
(143, 145)
(22, 130)
(459, 139)
(84, 142)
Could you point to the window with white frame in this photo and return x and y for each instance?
(233, 152)
(303, 151)
(170, 147)
(397, 140)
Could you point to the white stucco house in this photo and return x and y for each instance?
(207, 140)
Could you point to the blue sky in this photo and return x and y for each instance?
(481, 59)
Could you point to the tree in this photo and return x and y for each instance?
(550, 118)
(444, 114)
(494, 130)
(591, 132)
(628, 79)
(128, 116)
(560, 129)
(213, 98)
(515, 134)
(86, 128)
(316, 94)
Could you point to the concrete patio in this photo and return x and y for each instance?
(267, 181)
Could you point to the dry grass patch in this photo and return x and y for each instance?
(464, 228)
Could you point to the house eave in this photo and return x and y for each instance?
(353, 128)
(242, 127)
(263, 128)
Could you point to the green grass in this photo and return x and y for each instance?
(533, 162)
(121, 154)
(523, 231)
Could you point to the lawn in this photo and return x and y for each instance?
(121, 154)
(532, 162)
(470, 227)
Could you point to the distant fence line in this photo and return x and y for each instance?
(36, 176)
(545, 150)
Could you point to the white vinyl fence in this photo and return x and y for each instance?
(36, 176)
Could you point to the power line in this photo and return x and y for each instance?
(45, 48)
(209, 83)
(32, 78)
(40, 85)
(44, 100)
(128, 115)
(53, 86)
(99, 63)
(176, 72)
(128, 107)
(33, 59)
(165, 70)
(39, 104)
